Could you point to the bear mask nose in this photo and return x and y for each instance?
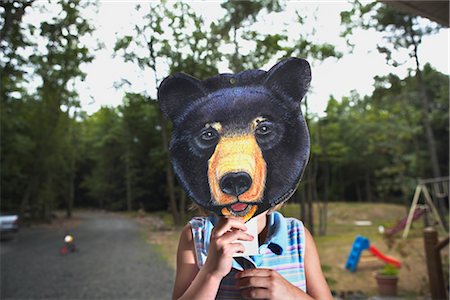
(235, 184)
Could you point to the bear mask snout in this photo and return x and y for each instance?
(235, 183)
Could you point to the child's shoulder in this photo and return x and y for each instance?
(198, 221)
(290, 221)
(293, 225)
(200, 226)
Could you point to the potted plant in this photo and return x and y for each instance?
(387, 279)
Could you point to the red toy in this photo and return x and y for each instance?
(69, 245)
(387, 259)
(362, 243)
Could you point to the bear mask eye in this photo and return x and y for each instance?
(208, 137)
(264, 129)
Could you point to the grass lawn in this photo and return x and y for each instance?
(334, 247)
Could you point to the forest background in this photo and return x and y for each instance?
(54, 155)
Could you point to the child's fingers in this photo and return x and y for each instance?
(226, 224)
(235, 235)
(236, 248)
(246, 282)
(255, 293)
(255, 273)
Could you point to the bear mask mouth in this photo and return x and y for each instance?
(240, 209)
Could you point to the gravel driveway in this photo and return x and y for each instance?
(114, 261)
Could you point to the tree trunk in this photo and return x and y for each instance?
(309, 196)
(29, 190)
(326, 195)
(165, 141)
(368, 186)
(324, 216)
(71, 196)
(315, 196)
(431, 142)
(310, 214)
(169, 175)
(101, 204)
(358, 193)
(302, 200)
(45, 204)
(341, 183)
(182, 205)
(128, 178)
(308, 184)
(71, 192)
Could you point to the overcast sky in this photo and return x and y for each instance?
(330, 77)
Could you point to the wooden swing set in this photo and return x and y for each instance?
(440, 189)
(432, 244)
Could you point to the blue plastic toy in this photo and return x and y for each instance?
(361, 243)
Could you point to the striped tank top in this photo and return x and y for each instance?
(283, 251)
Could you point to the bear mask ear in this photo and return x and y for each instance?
(290, 77)
(176, 92)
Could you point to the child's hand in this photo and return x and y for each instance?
(267, 284)
(223, 245)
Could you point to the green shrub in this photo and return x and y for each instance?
(388, 270)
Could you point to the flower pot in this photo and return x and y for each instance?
(387, 285)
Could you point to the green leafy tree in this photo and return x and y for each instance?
(12, 62)
(104, 181)
(234, 28)
(239, 27)
(409, 150)
(15, 103)
(373, 146)
(51, 63)
(174, 36)
(402, 33)
(57, 67)
(141, 132)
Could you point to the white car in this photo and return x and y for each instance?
(8, 224)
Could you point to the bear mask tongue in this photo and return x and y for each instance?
(239, 206)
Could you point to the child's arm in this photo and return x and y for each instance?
(316, 284)
(192, 283)
(269, 284)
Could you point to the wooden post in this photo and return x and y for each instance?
(421, 188)
(411, 210)
(433, 208)
(434, 264)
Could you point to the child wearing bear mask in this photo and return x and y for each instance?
(239, 147)
(216, 279)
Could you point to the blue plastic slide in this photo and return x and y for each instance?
(360, 244)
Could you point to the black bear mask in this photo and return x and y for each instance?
(239, 143)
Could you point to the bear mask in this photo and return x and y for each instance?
(239, 142)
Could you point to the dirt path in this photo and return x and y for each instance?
(114, 261)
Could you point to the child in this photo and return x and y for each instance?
(290, 266)
(239, 147)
